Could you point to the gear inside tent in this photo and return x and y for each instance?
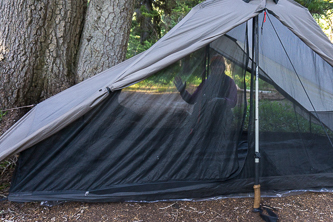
(177, 121)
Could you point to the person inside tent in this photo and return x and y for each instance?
(209, 130)
(218, 89)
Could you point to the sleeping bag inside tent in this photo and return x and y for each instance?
(177, 121)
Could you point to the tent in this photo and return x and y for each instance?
(127, 134)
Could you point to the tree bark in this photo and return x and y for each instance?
(39, 42)
(105, 36)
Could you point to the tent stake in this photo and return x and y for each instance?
(255, 47)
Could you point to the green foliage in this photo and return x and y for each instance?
(177, 13)
(8, 164)
(153, 19)
(189, 69)
(163, 81)
(277, 116)
(2, 114)
(145, 12)
(319, 7)
(135, 47)
(280, 116)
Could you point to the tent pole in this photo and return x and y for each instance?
(255, 47)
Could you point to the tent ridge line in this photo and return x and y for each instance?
(116, 84)
(187, 17)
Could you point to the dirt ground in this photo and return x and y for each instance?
(303, 207)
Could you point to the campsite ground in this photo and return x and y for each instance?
(303, 207)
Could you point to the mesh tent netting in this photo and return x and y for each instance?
(295, 108)
(186, 132)
(151, 138)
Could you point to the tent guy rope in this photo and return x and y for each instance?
(21, 107)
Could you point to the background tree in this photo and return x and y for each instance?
(38, 45)
(40, 41)
(105, 36)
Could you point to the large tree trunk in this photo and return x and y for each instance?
(39, 42)
(105, 36)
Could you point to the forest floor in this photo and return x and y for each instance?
(302, 207)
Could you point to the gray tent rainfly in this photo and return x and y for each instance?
(176, 121)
